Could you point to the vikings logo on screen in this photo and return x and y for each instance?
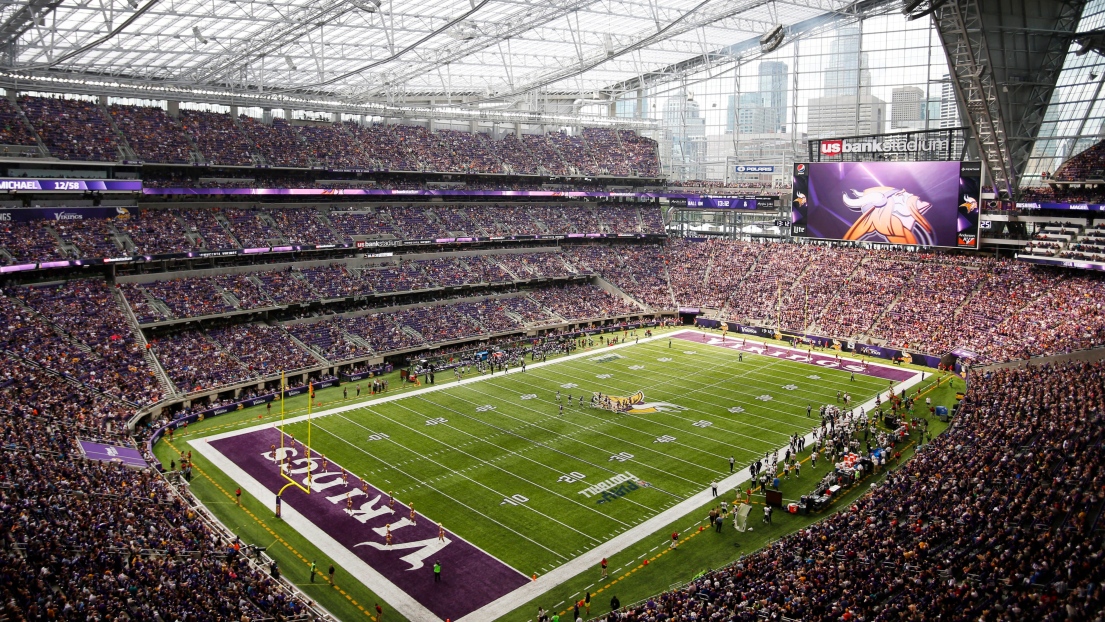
(889, 214)
(909, 203)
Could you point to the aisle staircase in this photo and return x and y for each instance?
(168, 388)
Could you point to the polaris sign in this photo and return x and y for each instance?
(754, 169)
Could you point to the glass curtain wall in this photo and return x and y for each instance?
(881, 74)
(1075, 118)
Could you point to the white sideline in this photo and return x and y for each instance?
(405, 604)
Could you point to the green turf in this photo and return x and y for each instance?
(461, 470)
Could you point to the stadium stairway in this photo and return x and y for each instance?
(505, 268)
(125, 149)
(168, 388)
(322, 214)
(306, 348)
(220, 218)
(607, 286)
(723, 313)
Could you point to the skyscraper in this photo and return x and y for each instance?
(907, 108)
(846, 106)
(949, 108)
(847, 74)
(773, 89)
(685, 127)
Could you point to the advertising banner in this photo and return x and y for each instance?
(69, 185)
(1063, 263)
(765, 332)
(61, 214)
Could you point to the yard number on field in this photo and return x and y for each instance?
(622, 457)
(436, 421)
(571, 478)
(514, 500)
(379, 436)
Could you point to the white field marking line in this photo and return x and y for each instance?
(724, 418)
(867, 384)
(485, 462)
(615, 417)
(600, 433)
(756, 370)
(509, 602)
(786, 375)
(701, 389)
(448, 385)
(671, 381)
(388, 591)
(447, 496)
(571, 436)
(533, 445)
(614, 420)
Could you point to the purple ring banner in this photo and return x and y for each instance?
(692, 200)
(1081, 207)
(1063, 263)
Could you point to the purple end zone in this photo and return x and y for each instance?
(113, 453)
(470, 577)
(819, 360)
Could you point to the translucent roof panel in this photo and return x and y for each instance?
(363, 50)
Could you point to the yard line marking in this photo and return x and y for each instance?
(757, 370)
(536, 443)
(444, 494)
(416, 431)
(601, 450)
(613, 420)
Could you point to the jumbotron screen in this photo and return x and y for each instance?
(919, 203)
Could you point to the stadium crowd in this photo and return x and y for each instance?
(90, 540)
(72, 129)
(163, 231)
(76, 129)
(927, 302)
(998, 518)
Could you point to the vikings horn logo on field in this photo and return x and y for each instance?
(635, 404)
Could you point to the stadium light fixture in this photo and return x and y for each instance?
(133, 3)
(772, 39)
(291, 65)
(908, 6)
(368, 6)
(911, 12)
(196, 32)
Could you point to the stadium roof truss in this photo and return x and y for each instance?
(353, 52)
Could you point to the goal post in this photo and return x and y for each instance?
(282, 465)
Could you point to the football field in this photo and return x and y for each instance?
(523, 478)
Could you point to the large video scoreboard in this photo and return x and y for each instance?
(916, 203)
